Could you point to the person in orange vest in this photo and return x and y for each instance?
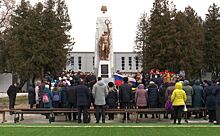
(166, 77)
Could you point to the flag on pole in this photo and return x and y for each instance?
(118, 79)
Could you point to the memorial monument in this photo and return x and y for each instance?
(103, 45)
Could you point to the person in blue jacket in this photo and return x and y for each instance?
(47, 91)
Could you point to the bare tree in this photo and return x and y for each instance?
(6, 9)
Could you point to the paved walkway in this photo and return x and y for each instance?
(60, 119)
(40, 119)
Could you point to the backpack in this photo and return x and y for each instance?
(56, 97)
(45, 98)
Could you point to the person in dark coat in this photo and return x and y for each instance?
(210, 101)
(31, 96)
(198, 100)
(217, 100)
(56, 97)
(91, 79)
(64, 99)
(40, 94)
(161, 96)
(158, 80)
(12, 92)
(112, 99)
(162, 92)
(168, 103)
(71, 100)
(82, 99)
(76, 80)
(91, 82)
(125, 97)
(153, 95)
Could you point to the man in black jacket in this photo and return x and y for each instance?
(217, 100)
(71, 100)
(82, 100)
(12, 92)
(125, 96)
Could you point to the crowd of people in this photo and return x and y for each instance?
(84, 91)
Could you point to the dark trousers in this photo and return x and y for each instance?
(188, 113)
(166, 115)
(31, 106)
(218, 112)
(100, 109)
(111, 115)
(211, 115)
(142, 107)
(126, 105)
(178, 113)
(12, 99)
(56, 104)
(41, 104)
(83, 109)
(71, 105)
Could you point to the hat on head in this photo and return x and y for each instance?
(60, 78)
(47, 86)
(186, 82)
(140, 86)
(151, 82)
(64, 78)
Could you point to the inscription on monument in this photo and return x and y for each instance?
(104, 70)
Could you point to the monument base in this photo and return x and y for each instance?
(104, 70)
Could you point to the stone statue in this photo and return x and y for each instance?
(104, 43)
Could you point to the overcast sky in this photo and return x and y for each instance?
(124, 15)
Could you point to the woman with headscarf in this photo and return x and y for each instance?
(141, 97)
(31, 96)
(209, 96)
(112, 99)
(198, 97)
(189, 93)
(153, 95)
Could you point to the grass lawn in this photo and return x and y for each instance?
(21, 101)
(109, 130)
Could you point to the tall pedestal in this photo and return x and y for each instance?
(104, 69)
(103, 38)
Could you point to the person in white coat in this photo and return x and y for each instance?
(99, 93)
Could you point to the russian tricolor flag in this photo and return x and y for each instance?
(118, 79)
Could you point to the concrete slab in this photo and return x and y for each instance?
(60, 119)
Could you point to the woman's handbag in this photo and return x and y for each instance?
(185, 109)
